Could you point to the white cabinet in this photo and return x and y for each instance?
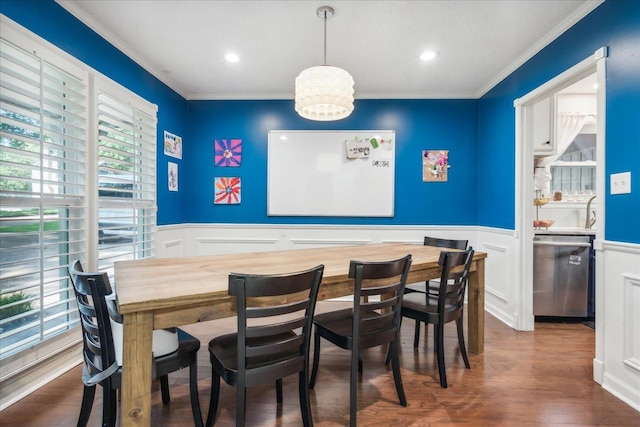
(543, 127)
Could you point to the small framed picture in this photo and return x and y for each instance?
(172, 145)
(228, 152)
(172, 176)
(227, 190)
(435, 165)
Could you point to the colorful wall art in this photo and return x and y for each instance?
(435, 165)
(227, 190)
(172, 145)
(228, 152)
(172, 176)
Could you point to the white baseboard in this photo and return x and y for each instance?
(26, 382)
(598, 370)
(622, 391)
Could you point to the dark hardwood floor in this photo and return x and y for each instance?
(541, 378)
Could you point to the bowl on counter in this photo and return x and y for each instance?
(542, 223)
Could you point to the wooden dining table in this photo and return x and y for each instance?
(160, 293)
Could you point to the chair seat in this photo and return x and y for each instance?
(434, 286)
(224, 353)
(417, 301)
(339, 323)
(415, 305)
(182, 357)
(163, 341)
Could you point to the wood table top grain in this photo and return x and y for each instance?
(155, 283)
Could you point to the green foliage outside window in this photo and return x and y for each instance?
(23, 174)
(8, 306)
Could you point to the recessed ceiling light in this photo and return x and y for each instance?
(232, 57)
(428, 55)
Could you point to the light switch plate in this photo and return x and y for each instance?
(621, 183)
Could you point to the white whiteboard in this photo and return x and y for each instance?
(308, 173)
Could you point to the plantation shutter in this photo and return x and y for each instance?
(43, 190)
(126, 178)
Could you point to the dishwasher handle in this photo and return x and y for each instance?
(562, 244)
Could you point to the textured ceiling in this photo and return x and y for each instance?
(183, 43)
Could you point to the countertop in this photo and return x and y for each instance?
(566, 230)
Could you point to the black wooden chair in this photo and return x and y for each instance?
(275, 314)
(100, 364)
(370, 323)
(431, 287)
(447, 307)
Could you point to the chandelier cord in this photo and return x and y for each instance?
(325, 37)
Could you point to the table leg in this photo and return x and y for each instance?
(475, 307)
(136, 369)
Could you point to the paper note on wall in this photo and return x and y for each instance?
(358, 148)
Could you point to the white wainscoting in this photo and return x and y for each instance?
(618, 358)
(501, 291)
(211, 239)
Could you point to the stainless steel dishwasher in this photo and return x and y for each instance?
(561, 275)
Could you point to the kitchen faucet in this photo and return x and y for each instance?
(590, 221)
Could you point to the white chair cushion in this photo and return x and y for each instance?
(163, 341)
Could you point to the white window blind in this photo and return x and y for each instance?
(574, 172)
(126, 178)
(43, 208)
(77, 181)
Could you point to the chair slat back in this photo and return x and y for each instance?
(273, 338)
(445, 243)
(453, 283)
(90, 290)
(378, 291)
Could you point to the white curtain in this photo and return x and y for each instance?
(568, 127)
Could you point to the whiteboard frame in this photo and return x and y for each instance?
(372, 205)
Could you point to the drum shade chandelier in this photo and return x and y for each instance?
(324, 93)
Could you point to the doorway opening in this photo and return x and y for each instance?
(527, 133)
(565, 165)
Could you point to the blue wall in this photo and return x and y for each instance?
(479, 133)
(53, 23)
(419, 124)
(616, 25)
